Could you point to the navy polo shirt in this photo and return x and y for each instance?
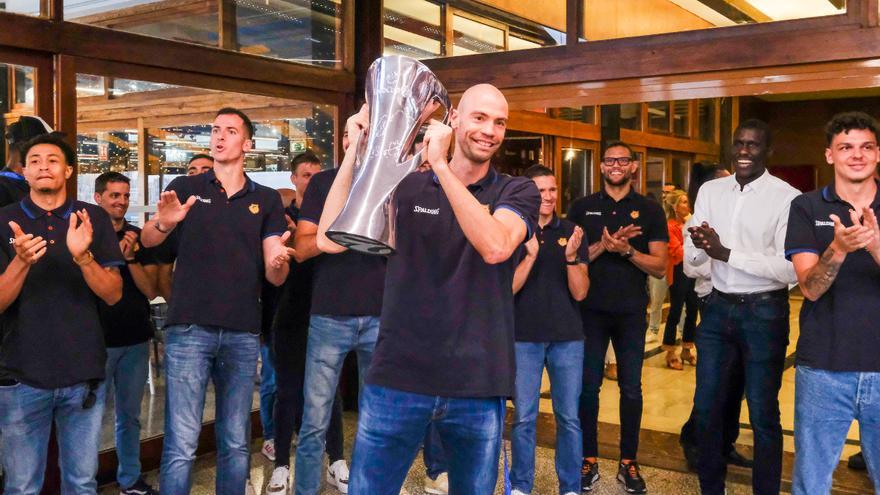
(295, 301)
(219, 273)
(447, 325)
(840, 331)
(345, 284)
(545, 310)
(616, 284)
(128, 321)
(52, 336)
(13, 187)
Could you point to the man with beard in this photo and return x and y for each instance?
(632, 237)
(739, 223)
(445, 354)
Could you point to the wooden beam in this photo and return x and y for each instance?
(540, 123)
(368, 32)
(228, 23)
(573, 14)
(65, 107)
(660, 141)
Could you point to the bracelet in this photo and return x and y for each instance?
(160, 228)
(573, 262)
(629, 254)
(89, 257)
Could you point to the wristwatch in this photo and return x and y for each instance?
(573, 262)
(627, 255)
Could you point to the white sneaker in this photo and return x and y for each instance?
(650, 337)
(337, 475)
(268, 450)
(517, 492)
(249, 488)
(440, 486)
(403, 491)
(571, 493)
(279, 483)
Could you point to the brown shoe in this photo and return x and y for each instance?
(611, 371)
(688, 356)
(672, 361)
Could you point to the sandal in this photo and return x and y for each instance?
(672, 361)
(688, 357)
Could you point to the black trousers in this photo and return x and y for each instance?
(627, 334)
(289, 355)
(681, 295)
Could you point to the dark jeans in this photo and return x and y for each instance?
(681, 295)
(749, 338)
(433, 454)
(289, 356)
(627, 335)
(730, 428)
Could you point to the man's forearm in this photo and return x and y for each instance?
(653, 265)
(106, 283)
(522, 273)
(596, 250)
(151, 236)
(143, 279)
(12, 281)
(823, 273)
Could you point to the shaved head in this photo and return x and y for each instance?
(479, 122)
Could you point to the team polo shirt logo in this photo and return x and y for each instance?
(203, 200)
(595, 213)
(427, 211)
(634, 214)
(254, 208)
(562, 241)
(824, 223)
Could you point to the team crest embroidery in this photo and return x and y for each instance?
(634, 214)
(563, 241)
(254, 208)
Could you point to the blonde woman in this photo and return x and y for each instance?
(681, 288)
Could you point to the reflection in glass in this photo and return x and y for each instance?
(89, 85)
(308, 31)
(706, 114)
(475, 37)
(577, 177)
(631, 116)
(412, 28)
(26, 7)
(681, 167)
(655, 176)
(658, 116)
(681, 122)
(194, 22)
(604, 19)
(24, 84)
(121, 87)
(587, 115)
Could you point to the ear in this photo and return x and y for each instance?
(453, 118)
(248, 144)
(68, 172)
(97, 198)
(828, 159)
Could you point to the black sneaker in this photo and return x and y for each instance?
(140, 487)
(857, 462)
(628, 474)
(589, 475)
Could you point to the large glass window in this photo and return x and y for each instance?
(706, 114)
(681, 118)
(149, 132)
(415, 27)
(658, 116)
(16, 98)
(631, 116)
(607, 19)
(308, 31)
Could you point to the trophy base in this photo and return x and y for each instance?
(360, 243)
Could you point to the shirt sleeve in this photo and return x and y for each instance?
(274, 222)
(314, 197)
(693, 256)
(7, 252)
(700, 271)
(584, 248)
(769, 265)
(105, 245)
(521, 197)
(800, 237)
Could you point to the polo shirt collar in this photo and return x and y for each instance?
(490, 178)
(554, 223)
(630, 195)
(829, 194)
(33, 211)
(10, 174)
(249, 185)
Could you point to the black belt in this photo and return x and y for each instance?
(752, 297)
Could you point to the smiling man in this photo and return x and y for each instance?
(739, 224)
(230, 233)
(445, 354)
(834, 243)
(631, 239)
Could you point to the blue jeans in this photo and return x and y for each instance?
(126, 376)
(433, 454)
(392, 424)
(564, 362)
(195, 354)
(26, 416)
(267, 393)
(825, 405)
(736, 337)
(331, 338)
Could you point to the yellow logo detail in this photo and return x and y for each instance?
(255, 208)
(563, 241)
(634, 214)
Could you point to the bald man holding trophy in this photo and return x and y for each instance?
(445, 352)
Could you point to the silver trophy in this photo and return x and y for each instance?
(400, 93)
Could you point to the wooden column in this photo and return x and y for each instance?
(573, 23)
(228, 27)
(65, 107)
(368, 32)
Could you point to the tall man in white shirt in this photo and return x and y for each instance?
(740, 223)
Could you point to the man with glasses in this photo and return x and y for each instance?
(631, 238)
